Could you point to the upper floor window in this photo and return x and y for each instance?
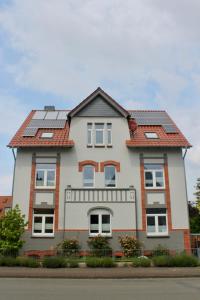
(88, 176)
(154, 176)
(110, 176)
(157, 223)
(99, 134)
(45, 176)
(151, 135)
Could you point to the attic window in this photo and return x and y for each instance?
(47, 135)
(151, 135)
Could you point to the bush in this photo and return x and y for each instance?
(72, 263)
(99, 246)
(160, 250)
(141, 262)
(181, 260)
(100, 262)
(54, 262)
(69, 247)
(130, 245)
(8, 261)
(27, 262)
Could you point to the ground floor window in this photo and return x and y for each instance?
(43, 222)
(100, 223)
(157, 223)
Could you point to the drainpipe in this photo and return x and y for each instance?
(14, 156)
(136, 217)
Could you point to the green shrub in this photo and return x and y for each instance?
(8, 261)
(130, 245)
(54, 262)
(100, 262)
(27, 262)
(141, 262)
(99, 246)
(181, 260)
(72, 263)
(69, 247)
(160, 250)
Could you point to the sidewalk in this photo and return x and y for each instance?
(81, 273)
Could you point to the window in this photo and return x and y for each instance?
(47, 135)
(151, 135)
(100, 223)
(110, 176)
(88, 176)
(99, 134)
(157, 224)
(43, 223)
(89, 133)
(154, 176)
(109, 134)
(45, 175)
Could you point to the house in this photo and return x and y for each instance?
(101, 169)
(5, 204)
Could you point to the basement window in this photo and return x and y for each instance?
(151, 135)
(47, 135)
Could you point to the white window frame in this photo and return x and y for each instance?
(89, 187)
(100, 214)
(90, 131)
(45, 186)
(97, 129)
(157, 233)
(43, 225)
(110, 187)
(153, 171)
(47, 135)
(151, 135)
(109, 130)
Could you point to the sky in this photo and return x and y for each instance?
(144, 53)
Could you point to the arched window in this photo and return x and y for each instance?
(100, 222)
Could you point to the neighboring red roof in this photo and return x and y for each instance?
(60, 137)
(138, 138)
(5, 201)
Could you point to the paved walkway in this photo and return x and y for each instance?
(81, 273)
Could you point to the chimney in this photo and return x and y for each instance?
(49, 107)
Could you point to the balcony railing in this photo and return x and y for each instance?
(100, 195)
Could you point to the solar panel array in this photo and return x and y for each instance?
(154, 118)
(46, 120)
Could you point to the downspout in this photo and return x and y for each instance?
(64, 215)
(14, 156)
(136, 216)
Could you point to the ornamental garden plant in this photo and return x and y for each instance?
(130, 245)
(99, 246)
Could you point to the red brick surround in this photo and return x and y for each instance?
(108, 163)
(83, 163)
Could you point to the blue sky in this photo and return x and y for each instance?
(144, 53)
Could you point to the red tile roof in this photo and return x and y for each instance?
(138, 138)
(60, 137)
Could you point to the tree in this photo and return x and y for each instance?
(197, 193)
(194, 216)
(12, 226)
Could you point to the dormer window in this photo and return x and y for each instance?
(151, 135)
(99, 134)
(47, 135)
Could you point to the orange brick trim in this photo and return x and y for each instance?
(187, 241)
(142, 192)
(40, 253)
(56, 212)
(83, 163)
(167, 194)
(32, 187)
(108, 163)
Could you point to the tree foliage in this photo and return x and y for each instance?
(12, 226)
(197, 193)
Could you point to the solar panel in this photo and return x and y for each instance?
(30, 131)
(47, 123)
(170, 128)
(51, 115)
(62, 115)
(39, 115)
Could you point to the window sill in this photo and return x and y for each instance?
(45, 188)
(43, 236)
(100, 146)
(155, 188)
(158, 235)
(99, 234)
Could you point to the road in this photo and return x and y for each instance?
(99, 289)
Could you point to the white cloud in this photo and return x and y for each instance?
(6, 184)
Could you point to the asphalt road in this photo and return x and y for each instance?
(99, 289)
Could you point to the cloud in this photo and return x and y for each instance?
(6, 184)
